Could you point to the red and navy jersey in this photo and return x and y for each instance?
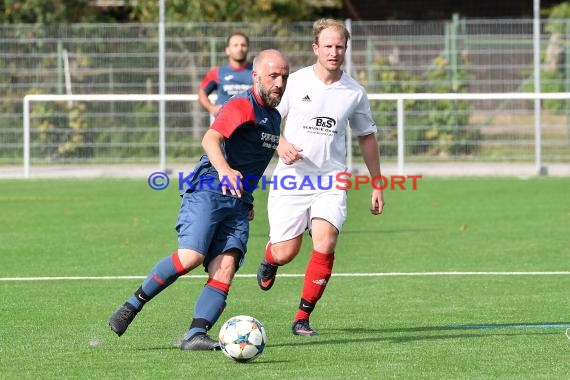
(227, 80)
(252, 134)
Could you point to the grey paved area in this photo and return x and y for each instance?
(426, 170)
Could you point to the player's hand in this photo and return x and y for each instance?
(289, 153)
(231, 180)
(377, 205)
(215, 110)
(250, 215)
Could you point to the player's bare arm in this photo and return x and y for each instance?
(212, 144)
(288, 153)
(371, 156)
(205, 102)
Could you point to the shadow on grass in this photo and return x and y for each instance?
(478, 326)
(371, 335)
(198, 354)
(452, 332)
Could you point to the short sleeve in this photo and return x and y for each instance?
(235, 113)
(210, 81)
(361, 121)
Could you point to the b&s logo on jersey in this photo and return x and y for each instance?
(321, 125)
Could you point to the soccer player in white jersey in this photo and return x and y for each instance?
(320, 103)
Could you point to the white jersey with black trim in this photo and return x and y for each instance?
(316, 119)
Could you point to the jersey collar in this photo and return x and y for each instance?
(257, 98)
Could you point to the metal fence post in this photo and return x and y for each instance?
(401, 140)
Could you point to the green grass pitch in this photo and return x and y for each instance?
(406, 319)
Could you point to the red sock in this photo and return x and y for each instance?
(317, 275)
(223, 287)
(268, 256)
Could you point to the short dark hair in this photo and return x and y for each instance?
(241, 34)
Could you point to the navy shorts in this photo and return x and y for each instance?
(212, 223)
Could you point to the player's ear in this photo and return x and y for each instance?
(315, 48)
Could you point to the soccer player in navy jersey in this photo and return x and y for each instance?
(229, 79)
(213, 220)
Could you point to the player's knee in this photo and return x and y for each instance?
(284, 253)
(325, 244)
(189, 259)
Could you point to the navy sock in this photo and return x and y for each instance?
(164, 273)
(208, 308)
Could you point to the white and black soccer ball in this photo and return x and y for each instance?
(242, 338)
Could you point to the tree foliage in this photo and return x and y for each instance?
(61, 11)
(553, 74)
(51, 12)
(223, 10)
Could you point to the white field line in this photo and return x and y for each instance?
(382, 274)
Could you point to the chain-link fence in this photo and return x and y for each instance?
(458, 56)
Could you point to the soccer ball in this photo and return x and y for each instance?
(242, 338)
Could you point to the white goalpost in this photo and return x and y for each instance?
(400, 101)
(100, 98)
(401, 98)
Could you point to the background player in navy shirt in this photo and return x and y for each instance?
(228, 79)
(213, 221)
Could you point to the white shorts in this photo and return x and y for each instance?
(290, 214)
